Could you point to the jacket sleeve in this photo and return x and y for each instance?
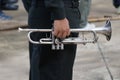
(27, 4)
(57, 8)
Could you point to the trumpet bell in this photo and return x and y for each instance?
(109, 31)
(106, 30)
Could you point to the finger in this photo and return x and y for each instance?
(68, 33)
(55, 33)
(60, 34)
(64, 35)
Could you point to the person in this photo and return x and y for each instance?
(7, 5)
(60, 15)
(85, 10)
(4, 16)
(116, 4)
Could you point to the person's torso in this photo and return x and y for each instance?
(67, 3)
(40, 16)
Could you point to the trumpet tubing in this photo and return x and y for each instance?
(106, 30)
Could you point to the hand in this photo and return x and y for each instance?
(61, 28)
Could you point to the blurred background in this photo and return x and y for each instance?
(89, 65)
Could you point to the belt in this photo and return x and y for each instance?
(70, 4)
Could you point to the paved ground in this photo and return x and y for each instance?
(14, 62)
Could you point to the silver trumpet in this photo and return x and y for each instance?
(58, 44)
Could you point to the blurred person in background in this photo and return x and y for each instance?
(7, 5)
(85, 10)
(116, 4)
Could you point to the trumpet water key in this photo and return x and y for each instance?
(58, 44)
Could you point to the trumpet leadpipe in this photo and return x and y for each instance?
(35, 30)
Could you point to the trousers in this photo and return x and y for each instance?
(84, 9)
(116, 3)
(45, 63)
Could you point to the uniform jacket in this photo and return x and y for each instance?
(55, 6)
(116, 3)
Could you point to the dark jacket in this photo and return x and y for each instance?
(27, 4)
(116, 3)
(55, 6)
